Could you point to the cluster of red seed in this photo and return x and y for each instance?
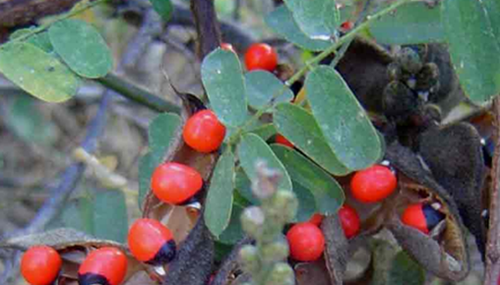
(40, 265)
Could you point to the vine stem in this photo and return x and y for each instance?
(310, 64)
(493, 244)
(346, 38)
(79, 8)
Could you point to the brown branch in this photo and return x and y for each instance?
(23, 12)
(493, 245)
(207, 26)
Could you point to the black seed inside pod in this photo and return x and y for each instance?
(432, 216)
(165, 254)
(92, 279)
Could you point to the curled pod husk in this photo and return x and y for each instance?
(336, 248)
(182, 218)
(445, 255)
(194, 241)
(454, 156)
(73, 246)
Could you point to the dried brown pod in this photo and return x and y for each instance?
(181, 219)
(454, 156)
(444, 252)
(336, 248)
(73, 246)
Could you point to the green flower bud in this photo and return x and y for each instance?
(249, 258)
(276, 250)
(286, 203)
(252, 220)
(394, 71)
(409, 60)
(267, 181)
(281, 273)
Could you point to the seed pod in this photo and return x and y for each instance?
(454, 155)
(447, 257)
(409, 60)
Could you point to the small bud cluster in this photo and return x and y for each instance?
(265, 261)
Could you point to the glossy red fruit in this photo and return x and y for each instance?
(349, 220)
(346, 26)
(306, 242)
(227, 46)
(40, 265)
(283, 141)
(106, 265)
(175, 183)
(204, 132)
(151, 242)
(373, 184)
(261, 56)
(422, 217)
(316, 219)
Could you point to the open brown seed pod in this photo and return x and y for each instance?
(186, 221)
(180, 219)
(454, 156)
(445, 255)
(74, 246)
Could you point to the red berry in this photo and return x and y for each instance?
(40, 265)
(204, 132)
(373, 184)
(283, 141)
(227, 46)
(151, 242)
(349, 220)
(106, 264)
(316, 219)
(422, 217)
(175, 183)
(261, 56)
(346, 26)
(306, 242)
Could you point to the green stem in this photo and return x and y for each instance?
(346, 39)
(80, 8)
(137, 94)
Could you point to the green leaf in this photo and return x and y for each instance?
(82, 48)
(327, 192)
(219, 200)
(300, 127)
(233, 233)
(37, 72)
(28, 123)
(263, 86)
(318, 19)
(161, 132)
(78, 214)
(474, 45)
(264, 131)
(281, 22)
(411, 23)
(405, 270)
(307, 203)
(40, 40)
(163, 7)
(342, 119)
(222, 77)
(244, 187)
(110, 215)
(147, 165)
(253, 149)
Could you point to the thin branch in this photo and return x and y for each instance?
(493, 245)
(207, 26)
(137, 94)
